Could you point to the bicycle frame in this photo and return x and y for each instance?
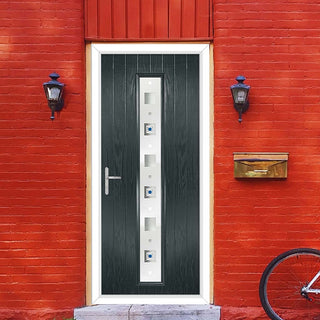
(307, 289)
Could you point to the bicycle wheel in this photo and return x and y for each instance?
(282, 281)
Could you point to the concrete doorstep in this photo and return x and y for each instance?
(148, 312)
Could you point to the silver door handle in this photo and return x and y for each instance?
(107, 178)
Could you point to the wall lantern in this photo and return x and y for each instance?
(240, 92)
(54, 92)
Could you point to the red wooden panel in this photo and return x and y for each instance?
(104, 22)
(161, 19)
(202, 18)
(119, 19)
(133, 19)
(91, 18)
(174, 18)
(188, 18)
(147, 23)
(210, 18)
(148, 19)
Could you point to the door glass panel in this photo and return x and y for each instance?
(150, 179)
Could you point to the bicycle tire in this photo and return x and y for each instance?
(281, 283)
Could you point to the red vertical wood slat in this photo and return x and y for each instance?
(147, 23)
(161, 19)
(91, 18)
(174, 19)
(119, 19)
(188, 18)
(133, 16)
(105, 19)
(202, 18)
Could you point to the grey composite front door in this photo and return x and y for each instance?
(150, 180)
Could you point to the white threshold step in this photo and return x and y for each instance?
(148, 312)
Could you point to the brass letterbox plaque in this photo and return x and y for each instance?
(260, 165)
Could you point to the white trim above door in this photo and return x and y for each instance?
(97, 49)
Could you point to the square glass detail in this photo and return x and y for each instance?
(149, 192)
(149, 160)
(149, 256)
(149, 98)
(149, 129)
(150, 224)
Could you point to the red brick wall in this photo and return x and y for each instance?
(42, 163)
(276, 45)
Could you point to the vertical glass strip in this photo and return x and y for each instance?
(150, 179)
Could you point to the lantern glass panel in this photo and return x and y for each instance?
(53, 93)
(241, 96)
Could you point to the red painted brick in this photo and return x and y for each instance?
(276, 46)
(42, 163)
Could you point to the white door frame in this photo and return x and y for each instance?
(97, 49)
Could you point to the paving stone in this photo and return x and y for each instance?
(103, 312)
(174, 312)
